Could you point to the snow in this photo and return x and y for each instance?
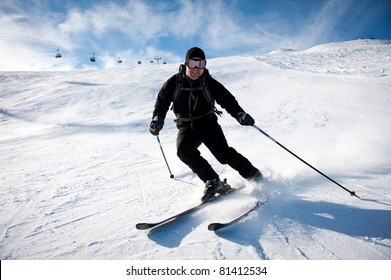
(79, 168)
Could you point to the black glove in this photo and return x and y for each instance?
(156, 125)
(245, 119)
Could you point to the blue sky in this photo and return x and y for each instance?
(32, 30)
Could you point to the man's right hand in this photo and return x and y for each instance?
(156, 125)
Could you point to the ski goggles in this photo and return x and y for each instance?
(196, 63)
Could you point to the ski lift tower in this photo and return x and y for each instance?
(157, 58)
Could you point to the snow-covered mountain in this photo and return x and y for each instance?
(79, 168)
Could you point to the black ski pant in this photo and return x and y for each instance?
(211, 135)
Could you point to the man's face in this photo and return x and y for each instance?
(196, 72)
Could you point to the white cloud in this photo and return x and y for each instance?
(321, 26)
(138, 28)
(188, 21)
(29, 39)
(136, 20)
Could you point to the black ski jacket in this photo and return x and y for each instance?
(193, 104)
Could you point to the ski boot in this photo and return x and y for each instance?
(214, 188)
(256, 177)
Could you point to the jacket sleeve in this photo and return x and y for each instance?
(224, 98)
(164, 98)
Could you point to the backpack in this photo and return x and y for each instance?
(204, 88)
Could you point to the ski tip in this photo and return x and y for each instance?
(144, 226)
(214, 226)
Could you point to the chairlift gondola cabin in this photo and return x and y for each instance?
(92, 58)
(58, 55)
(119, 60)
(151, 61)
(164, 62)
(139, 61)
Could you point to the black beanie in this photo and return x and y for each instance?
(195, 52)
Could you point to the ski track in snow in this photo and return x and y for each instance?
(79, 168)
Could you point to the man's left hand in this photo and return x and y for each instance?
(245, 119)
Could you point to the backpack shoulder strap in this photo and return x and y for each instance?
(207, 94)
(179, 82)
(205, 89)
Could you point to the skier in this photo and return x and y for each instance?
(193, 93)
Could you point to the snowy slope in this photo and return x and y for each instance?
(79, 168)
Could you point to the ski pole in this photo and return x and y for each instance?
(161, 148)
(352, 193)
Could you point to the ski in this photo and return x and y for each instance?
(217, 226)
(146, 226)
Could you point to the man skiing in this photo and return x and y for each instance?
(193, 93)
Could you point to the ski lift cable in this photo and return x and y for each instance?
(34, 43)
(48, 46)
(29, 42)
